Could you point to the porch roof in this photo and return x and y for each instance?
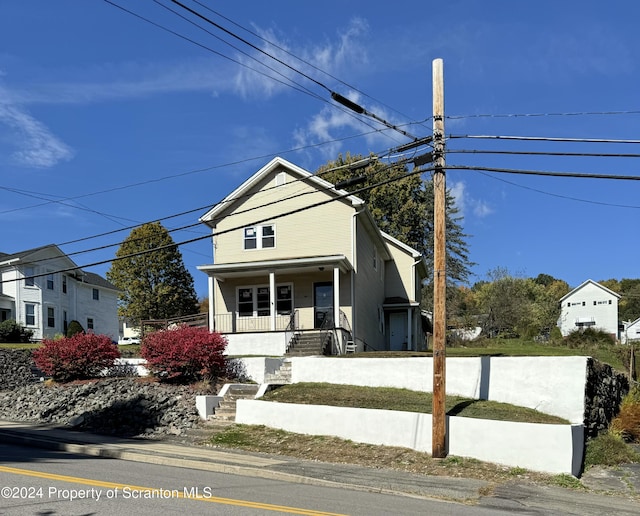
(290, 265)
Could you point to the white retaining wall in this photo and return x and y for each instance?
(256, 344)
(547, 448)
(553, 385)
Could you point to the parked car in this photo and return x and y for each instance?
(124, 341)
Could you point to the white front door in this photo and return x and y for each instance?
(398, 331)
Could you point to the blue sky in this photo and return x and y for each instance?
(107, 121)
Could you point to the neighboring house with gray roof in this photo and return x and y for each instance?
(44, 290)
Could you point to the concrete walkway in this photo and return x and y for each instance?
(523, 497)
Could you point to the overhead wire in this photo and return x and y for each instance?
(234, 199)
(304, 61)
(229, 230)
(560, 196)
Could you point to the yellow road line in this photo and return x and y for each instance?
(174, 493)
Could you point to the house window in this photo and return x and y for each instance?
(30, 314)
(284, 299)
(96, 294)
(89, 323)
(29, 280)
(64, 284)
(51, 317)
(260, 237)
(375, 258)
(50, 282)
(256, 301)
(245, 302)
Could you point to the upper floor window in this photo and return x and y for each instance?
(29, 280)
(30, 314)
(64, 284)
(50, 282)
(96, 294)
(260, 237)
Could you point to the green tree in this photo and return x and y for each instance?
(151, 276)
(404, 209)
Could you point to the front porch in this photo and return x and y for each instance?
(264, 307)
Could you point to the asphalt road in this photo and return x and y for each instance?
(37, 482)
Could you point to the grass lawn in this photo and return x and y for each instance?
(609, 354)
(387, 398)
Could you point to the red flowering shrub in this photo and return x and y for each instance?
(79, 357)
(185, 354)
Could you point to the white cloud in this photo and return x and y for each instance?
(464, 201)
(331, 57)
(36, 145)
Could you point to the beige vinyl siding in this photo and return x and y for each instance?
(369, 287)
(323, 230)
(399, 275)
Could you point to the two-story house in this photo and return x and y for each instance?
(589, 305)
(294, 254)
(34, 293)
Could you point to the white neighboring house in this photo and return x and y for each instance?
(45, 301)
(590, 305)
(631, 332)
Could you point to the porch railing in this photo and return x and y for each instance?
(232, 323)
(336, 336)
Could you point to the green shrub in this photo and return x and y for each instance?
(80, 357)
(608, 449)
(588, 338)
(185, 354)
(12, 331)
(74, 328)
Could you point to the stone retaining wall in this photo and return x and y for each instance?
(603, 393)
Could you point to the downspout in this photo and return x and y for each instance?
(354, 263)
(418, 319)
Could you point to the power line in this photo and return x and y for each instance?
(542, 138)
(304, 61)
(551, 194)
(209, 207)
(334, 95)
(521, 115)
(582, 175)
(236, 228)
(531, 153)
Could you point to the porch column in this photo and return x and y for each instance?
(212, 307)
(272, 299)
(336, 303)
(410, 329)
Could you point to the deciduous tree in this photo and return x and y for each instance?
(151, 276)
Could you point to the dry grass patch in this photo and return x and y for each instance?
(403, 400)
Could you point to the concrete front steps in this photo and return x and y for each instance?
(307, 344)
(282, 375)
(226, 410)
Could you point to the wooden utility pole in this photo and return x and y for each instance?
(439, 432)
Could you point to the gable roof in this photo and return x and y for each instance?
(82, 276)
(22, 256)
(217, 211)
(91, 278)
(595, 283)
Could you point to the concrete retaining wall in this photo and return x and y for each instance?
(553, 385)
(547, 448)
(258, 344)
